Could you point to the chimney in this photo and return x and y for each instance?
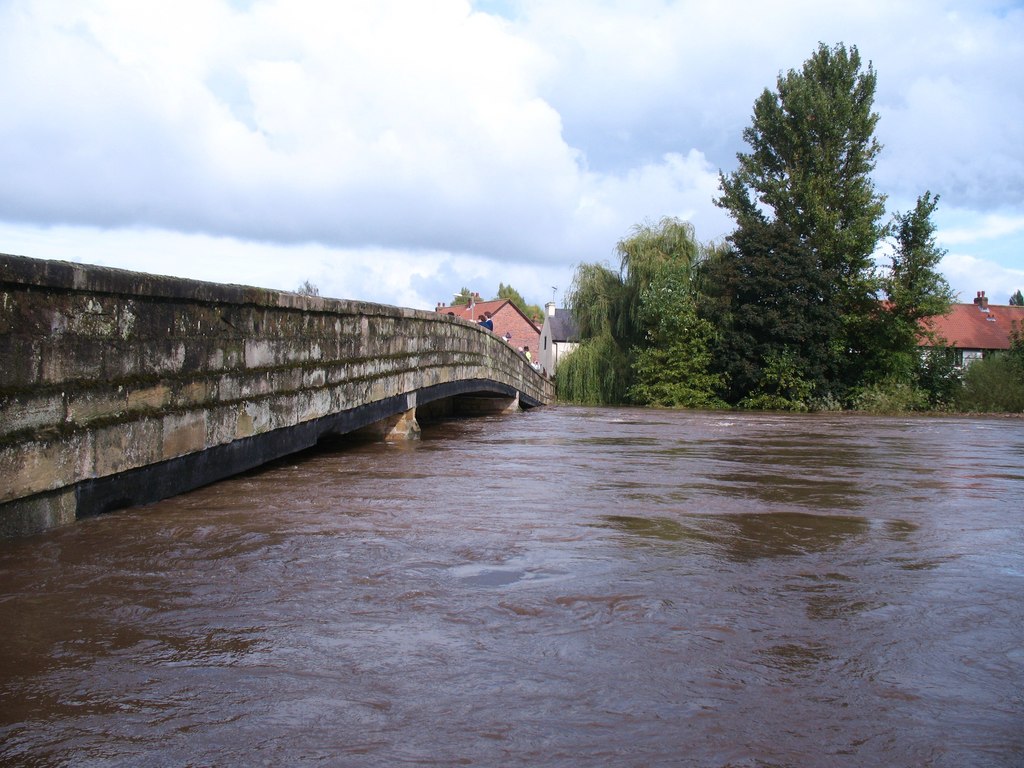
(981, 300)
(550, 308)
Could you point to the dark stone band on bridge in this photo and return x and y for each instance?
(152, 483)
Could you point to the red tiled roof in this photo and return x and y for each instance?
(472, 312)
(967, 326)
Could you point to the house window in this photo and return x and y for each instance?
(545, 342)
(968, 356)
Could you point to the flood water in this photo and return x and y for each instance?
(564, 587)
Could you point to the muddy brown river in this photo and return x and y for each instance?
(563, 587)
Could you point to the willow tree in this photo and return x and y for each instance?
(807, 184)
(597, 371)
(609, 307)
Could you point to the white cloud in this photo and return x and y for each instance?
(370, 274)
(454, 145)
(968, 274)
(987, 227)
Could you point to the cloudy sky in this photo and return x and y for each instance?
(398, 150)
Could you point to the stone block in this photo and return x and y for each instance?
(35, 514)
(89, 405)
(29, 411)
(290, 380)
(316, 377)
(283, 411)
(222, 424)
(229, 388)
(260, 353)
(312, 404)
(215, 358)
(37, 466)
(93, 317)
(183, 433)
(193, 394)
(19, 361)
(149, 398)
(120, 447)
(162, 357)
(253, 419)
(122, 360)
(70, 358)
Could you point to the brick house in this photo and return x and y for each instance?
(976, 329)
(507, 319)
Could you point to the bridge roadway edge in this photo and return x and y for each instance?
(280, 373)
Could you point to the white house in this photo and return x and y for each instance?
(558, 336)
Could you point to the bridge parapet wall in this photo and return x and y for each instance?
(105, 372)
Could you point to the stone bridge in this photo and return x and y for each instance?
(119, 388)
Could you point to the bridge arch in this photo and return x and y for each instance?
(120, 388)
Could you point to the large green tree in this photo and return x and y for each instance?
(804, 196)
(778, 338)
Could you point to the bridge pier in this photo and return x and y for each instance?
(482, 405)
(401, 426)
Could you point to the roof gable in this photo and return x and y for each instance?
(472, 311)
(562, 326)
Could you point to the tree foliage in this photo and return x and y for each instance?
(804, 195)
(594, 373)
(915, 289)
(790, 311)
(666, 250)
(996, 383)
(597, 371)
(777, 312)
(610, 310)
(1017, 299)
(783, 384)
(673, 365)
(510, 293)
(463, 297)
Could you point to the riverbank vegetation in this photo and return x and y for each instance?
(792, 311)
